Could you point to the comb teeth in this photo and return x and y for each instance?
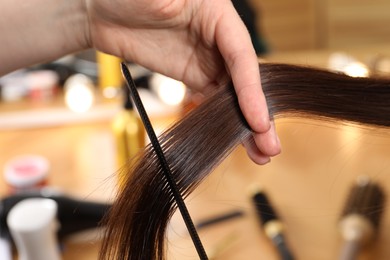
(365, 199)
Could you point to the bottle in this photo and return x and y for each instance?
(129, 134)
(110, 74)
(33, 226)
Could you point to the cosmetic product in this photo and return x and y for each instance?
(5, 249)
(13, 86)
(164, 164)
(26, 172)
(33, 226)
(128, 131)
(361, 217)
(109, 73)
(42, 84)
(74, 215)
(272, 225)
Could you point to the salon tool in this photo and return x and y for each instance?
(164, 164)
(73, 215)
(361, 217)
(33, 226)
(219, 219)
(270, 222)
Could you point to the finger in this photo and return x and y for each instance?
(268, 143)
(254, 153)
(235, 45)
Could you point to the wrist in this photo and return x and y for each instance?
(40, 31)
(76, 25)
(71, 20)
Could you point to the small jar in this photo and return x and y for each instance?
(26, 172)
(42, 84)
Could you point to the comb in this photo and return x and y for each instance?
(164, 164)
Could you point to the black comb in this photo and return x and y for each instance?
(164, 164)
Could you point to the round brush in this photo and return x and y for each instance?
(361, 216)
(271, 223)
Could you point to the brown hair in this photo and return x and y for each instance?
(197, 143)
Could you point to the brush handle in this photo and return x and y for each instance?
(281, 245)
(220, 218)
(273, 227)
(350, 250)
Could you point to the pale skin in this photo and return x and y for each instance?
(200, 42)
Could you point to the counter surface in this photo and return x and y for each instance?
(307, 184)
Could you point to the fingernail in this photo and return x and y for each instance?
(268, 122)
(265, 124)
(277, 140)
(277, 145)
(266, 161)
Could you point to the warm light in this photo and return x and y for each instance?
(170, 91)
(351, 140)
(110, 92)
(79, 93)
(347, 64)
(356, 69)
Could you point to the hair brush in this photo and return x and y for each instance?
(271, 223)
(361, 217)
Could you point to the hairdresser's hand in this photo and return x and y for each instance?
(198, 42)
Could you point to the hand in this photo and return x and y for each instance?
(198, 42)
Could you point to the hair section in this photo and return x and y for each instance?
(196, 144)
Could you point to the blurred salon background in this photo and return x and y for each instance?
(68, 129)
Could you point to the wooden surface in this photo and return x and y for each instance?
(356, 23)
(307, 183)
(81, 165)
(287, 25)
(72, 152)
(320, 58)
(315, 24)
